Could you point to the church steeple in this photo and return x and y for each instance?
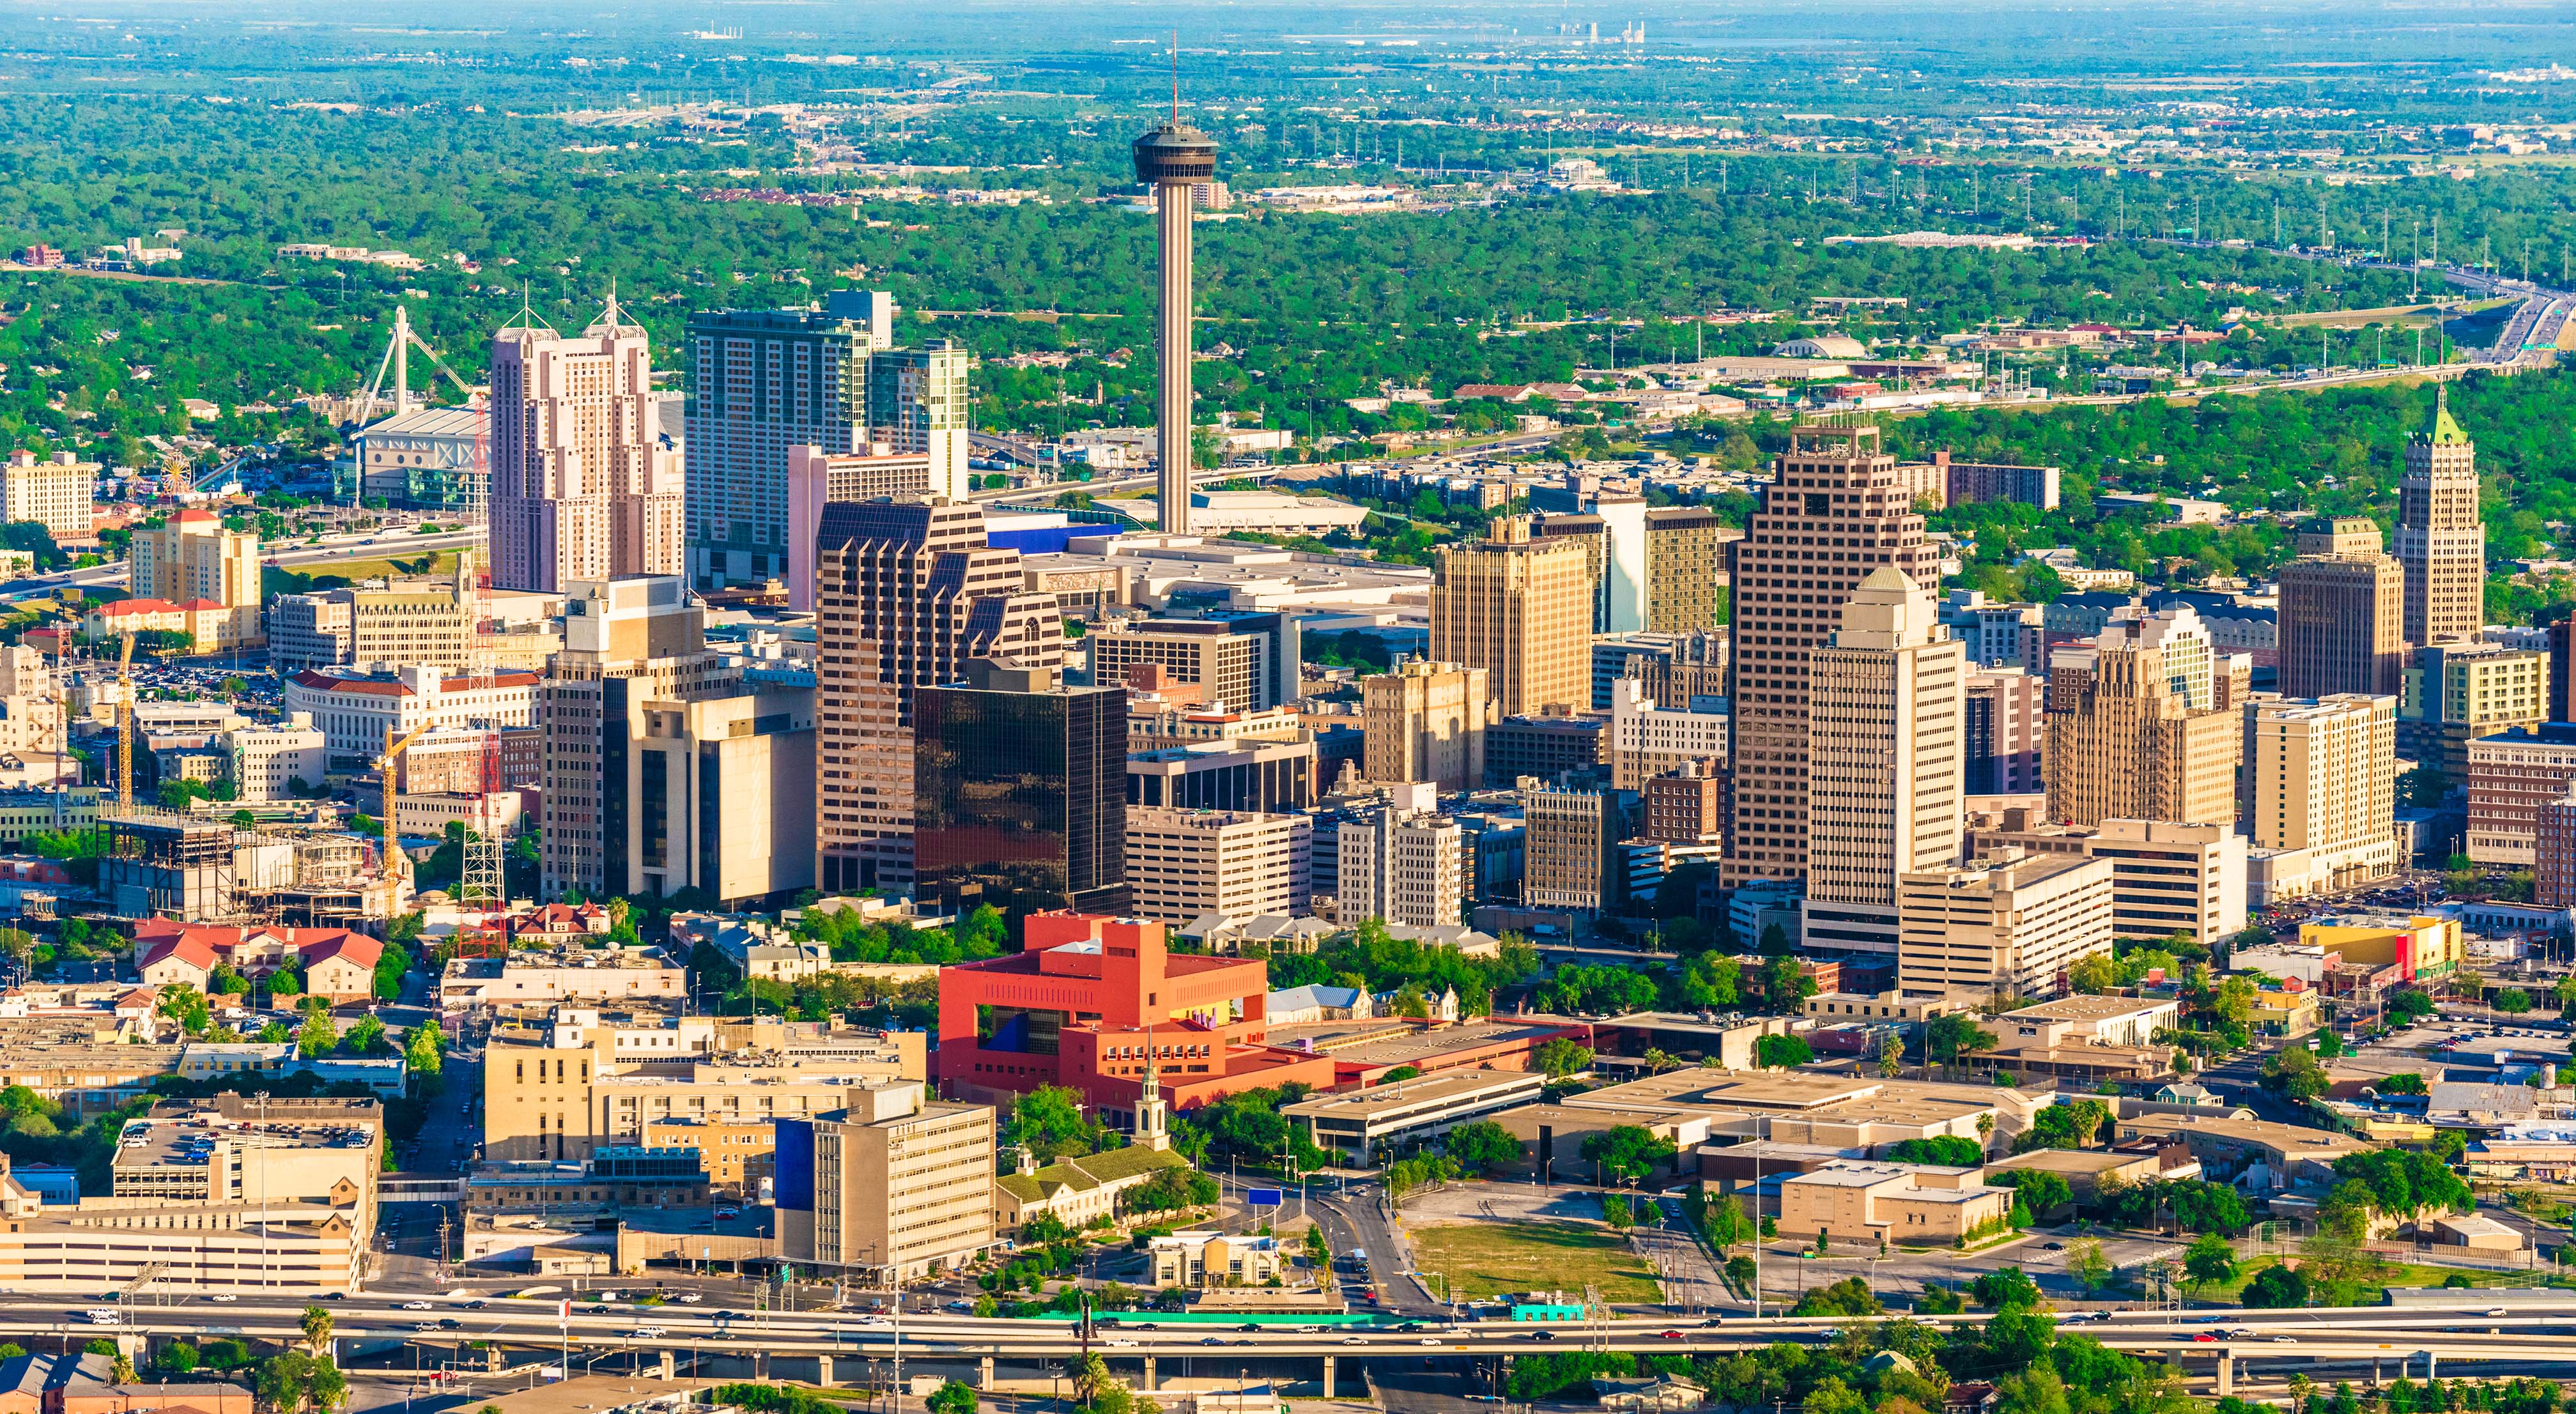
(1152, 1125)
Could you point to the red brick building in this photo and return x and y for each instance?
(1084, 999)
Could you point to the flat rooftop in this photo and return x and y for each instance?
(191, 1143)
(2080, 1162)
(2080, 1008)
(1449, 1040)
(1421, 1093)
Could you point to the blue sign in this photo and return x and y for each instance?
(1266, 1197)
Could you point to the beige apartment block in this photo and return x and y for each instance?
(628, 644)
(1520, 608)
(1230, 668)
(1183, 865)
(1835, 509)
(580, 1077)
(561, 973)
(1852, 1201)
(2007, 926)
(2324, 777)
(1401, 863)
(2124, 740)
(192, 556)
(2441, 534)
(410, 623)
(1885, 765)
(2165, 878)
(735, 1153)
(2342, 615)
(902, 1186)
(1424, 721)
(58, 492)
(1648, 739)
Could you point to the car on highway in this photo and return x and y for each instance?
(1542, 1335)
(1353, 1340)
(690, 1298)
(415, 1305)
(648, 1333)
(1120, 1341)
(1250, 1328)
(1429, 1340)
(1671, 1335)
(1213, 1340)
(2205, 1337)
(450, 1323)
(224, 1296)
(2285, 1340)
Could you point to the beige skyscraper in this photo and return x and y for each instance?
(1519, 607)
(2441, 538)
(2342, 616)
(2125, 739)
(1836, 508)
(584, 487)
(1426, 722)
(2324, 781)
(1885, 760)
(2006, 926)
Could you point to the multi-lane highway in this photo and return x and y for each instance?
(2515, 1327)
(401, 542)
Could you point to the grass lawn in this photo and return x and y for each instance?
(1489, 1259)
(2397, 1274)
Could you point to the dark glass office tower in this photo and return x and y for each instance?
(1020, 793)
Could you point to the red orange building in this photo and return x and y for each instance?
(1086, 997)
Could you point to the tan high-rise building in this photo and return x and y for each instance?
(627, 643)
(1426, 722)
(2441, 535)
(2342, 617)
(191, 558)
(897, 1185)
(1519, 607)
(1569, 835)
(2007, 926)
(59, 493)
(2324, 780)
(1403, 863)
(1886, 763)
(1183, 865)
(906, 592)
(2457, 692)
(1835, 509)
(1685, 569)
(584, 487)
(2124, 740)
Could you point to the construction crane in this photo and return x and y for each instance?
(125, 728)
(394, 862)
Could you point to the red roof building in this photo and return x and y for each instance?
(1088, 997)
(336, 962)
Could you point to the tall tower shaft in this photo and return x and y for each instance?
(1173, 159)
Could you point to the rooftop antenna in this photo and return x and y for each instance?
(1176, 76)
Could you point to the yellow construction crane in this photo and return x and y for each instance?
(125, 728)
(394, 862)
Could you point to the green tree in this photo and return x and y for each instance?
(2210, 1260)
(422, 1053)
(1782, 1052)
(1945, 1150)
(2065, 1125)
(1954, 1035)
(2095, 973)
(952, 1397)
(1049, 1123)
(2042, 1192)
(2085, 1263)
(1626, 1151)
(317, 1036)
(2005, 1289)
(2295, 1075)
(316, 1325)
(1482, 1146)
(1559, 1056)
(2276, 1288)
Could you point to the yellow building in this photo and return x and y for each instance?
(2420, 947)
(735, 1153)
(2283, 1013)
(1519, 607)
